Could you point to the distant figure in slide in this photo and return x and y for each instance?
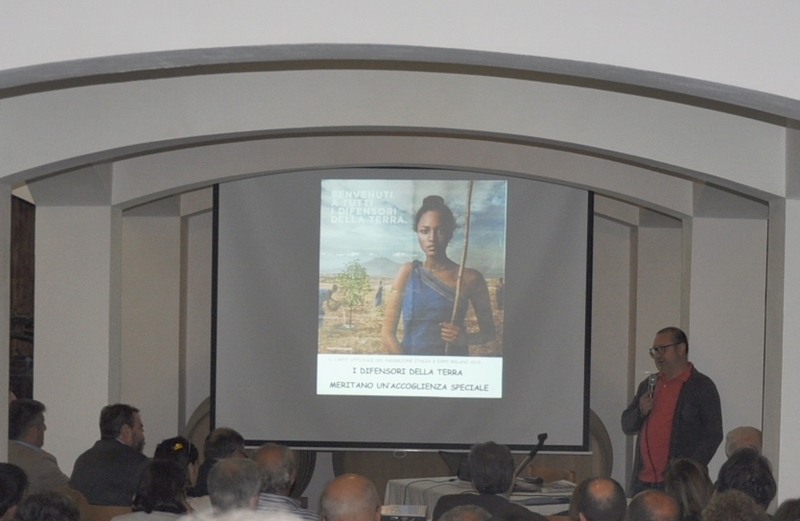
(379, 295)
(425, 292)
(326, 299)
(499, 295)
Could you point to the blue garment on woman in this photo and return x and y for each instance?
(427, 303)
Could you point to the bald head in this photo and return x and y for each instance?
(742, 437)
(350, 497)
(278, 468)
(598, 499)
(653, 505)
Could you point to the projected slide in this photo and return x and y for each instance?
(411, 287)
(369, 365)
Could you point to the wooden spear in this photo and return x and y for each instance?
(463, 260)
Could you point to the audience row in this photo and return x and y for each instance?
(115, 472)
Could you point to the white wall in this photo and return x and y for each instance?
(727, 329)
(197, 295)
(151, 274)
(613, 320)
(77, 345)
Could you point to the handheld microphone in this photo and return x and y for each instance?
(651, 382)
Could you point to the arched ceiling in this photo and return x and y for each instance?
(119, 118)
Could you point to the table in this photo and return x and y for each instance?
(427, 491)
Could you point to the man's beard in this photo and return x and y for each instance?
(139, 446)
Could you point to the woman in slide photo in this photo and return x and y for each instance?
(424, 294)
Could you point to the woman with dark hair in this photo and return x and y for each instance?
(183, 452)
(424, 293)
(161, 494)
(688, 482)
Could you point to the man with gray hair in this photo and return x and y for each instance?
(742, 437)
(278, 473)
(350, 497)
(234, 483)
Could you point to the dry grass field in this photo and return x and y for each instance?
(364, 337)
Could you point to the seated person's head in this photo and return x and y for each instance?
(597, 499)
(350, 497)
(48, 506)
(183, 452)
(749, 472)
(26, 421)
(788, 511)
(162, 488)
(742, 437)
(653, 505)
(223, 442)
(122, 422)
(733, 505)
(491, 468)
(234, 483)
(13, 483)
(466, 513)
(278, 468)
(688, 482)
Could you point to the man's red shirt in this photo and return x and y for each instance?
(657, 429)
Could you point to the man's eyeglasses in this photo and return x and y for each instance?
(660, 350)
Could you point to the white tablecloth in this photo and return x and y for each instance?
(427, 491)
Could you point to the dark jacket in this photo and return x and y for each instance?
(498, 506)
(696, 426)
(108, 473)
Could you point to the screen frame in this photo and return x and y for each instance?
(411, 446)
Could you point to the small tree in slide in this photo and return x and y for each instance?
(353, 282)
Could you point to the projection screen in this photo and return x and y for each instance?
(402, 348)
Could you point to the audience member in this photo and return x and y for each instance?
(733, 505)
(278, 474)
(13, 484)
(749, 472)
(788, 511)
(234, 483)
(466, 513)
(688, 482)
(108, 473)
(598, 499)
(653, 505)
(220, 443)
(26, 437)
(48, 506)
(491, 468)
(161, 494)
(350, 497)
(184, 453)
(742, 437)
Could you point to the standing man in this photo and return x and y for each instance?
(108, 473)
(676, 413)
